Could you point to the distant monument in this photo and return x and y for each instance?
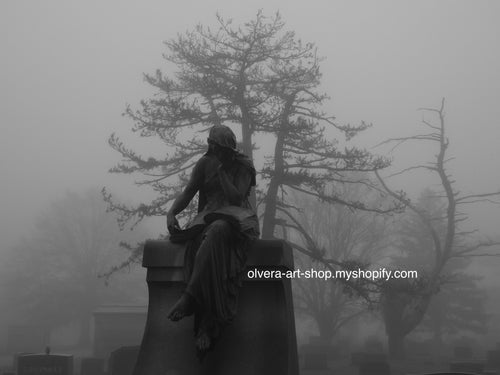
(116, 326)
(44, 364)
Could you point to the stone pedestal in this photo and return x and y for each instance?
(122, 360)
(261, 339)
(47, 364)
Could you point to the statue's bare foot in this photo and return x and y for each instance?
(203, 344)
(182, 308)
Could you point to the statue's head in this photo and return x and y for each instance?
(222, 136)
(222, 142)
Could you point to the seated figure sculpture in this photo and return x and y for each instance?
(217, 239)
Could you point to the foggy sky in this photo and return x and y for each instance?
(69, 69)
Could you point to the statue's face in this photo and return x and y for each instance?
(225, 155)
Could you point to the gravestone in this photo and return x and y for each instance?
(116, 326)
(371, 363)
(418, 348)
(358, 358)
(374, 368)
(44, 364)
(462, 352)
(260, 340)
(16, 357)
(123, 360)
(473, 367)
(92, 366)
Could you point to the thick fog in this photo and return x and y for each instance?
(70, 68)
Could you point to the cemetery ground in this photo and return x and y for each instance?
(334, 365)
(397, 367)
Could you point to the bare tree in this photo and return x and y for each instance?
(460, 304)
(404, 302)
(51, 276)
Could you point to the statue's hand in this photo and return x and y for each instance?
(224, 168)
(172, 224)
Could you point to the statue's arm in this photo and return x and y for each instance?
(183, 199)
(235, 193)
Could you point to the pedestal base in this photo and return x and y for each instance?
(261, 340)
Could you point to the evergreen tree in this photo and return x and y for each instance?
(263, 82)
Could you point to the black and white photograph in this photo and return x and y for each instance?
(265, 187)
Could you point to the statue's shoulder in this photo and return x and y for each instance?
(205, 166)
(208, 161)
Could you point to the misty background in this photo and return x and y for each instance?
(69, 69)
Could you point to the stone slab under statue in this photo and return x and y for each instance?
(260, 340)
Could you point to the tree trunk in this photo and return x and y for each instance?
(325, 329)
(269, 222)
(402, 312)
(396, 344)
(246, 129)
(246, 133)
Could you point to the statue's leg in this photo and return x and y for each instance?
(205, 271)
(184, 306)
(215, 264)
(214, 281)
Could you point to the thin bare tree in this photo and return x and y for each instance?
(404, 302)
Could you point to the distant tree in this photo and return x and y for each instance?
(404, 302)
(50, 277)
(344, 235)
(262, 80)
(459, 306)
